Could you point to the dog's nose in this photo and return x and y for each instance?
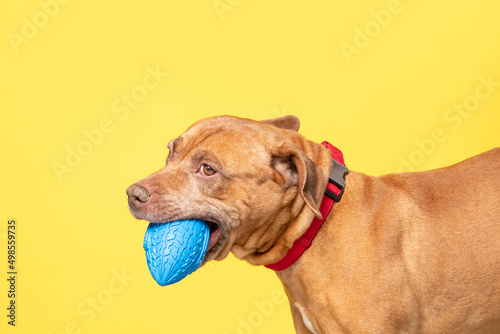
(137, 194)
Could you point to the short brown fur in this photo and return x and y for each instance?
(400, 253)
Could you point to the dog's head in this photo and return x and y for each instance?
(250, 180)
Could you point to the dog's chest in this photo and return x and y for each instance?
(305, 319)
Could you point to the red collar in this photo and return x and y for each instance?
(333, 193)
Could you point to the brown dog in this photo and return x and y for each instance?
(400, 253)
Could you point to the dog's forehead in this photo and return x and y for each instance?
(222, 124)
(227, 137)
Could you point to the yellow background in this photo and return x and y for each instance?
(257, 59)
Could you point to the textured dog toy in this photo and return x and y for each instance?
(176, 249)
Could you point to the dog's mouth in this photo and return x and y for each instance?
(215, 233)
(219, 236)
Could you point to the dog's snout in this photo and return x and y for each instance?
(137, 194)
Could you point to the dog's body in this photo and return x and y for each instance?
(406, 253)
(401, 253)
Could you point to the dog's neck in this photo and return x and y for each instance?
(294, 218)
(333, 193)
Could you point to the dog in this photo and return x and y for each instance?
(401, 253)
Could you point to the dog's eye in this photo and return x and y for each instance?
(207, 170)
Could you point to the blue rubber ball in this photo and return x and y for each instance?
(176, 249)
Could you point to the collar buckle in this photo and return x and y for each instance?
(336, 178)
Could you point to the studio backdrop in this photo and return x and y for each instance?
(91, 92)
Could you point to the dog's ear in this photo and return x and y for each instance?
(294, 168)
(289, 122)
